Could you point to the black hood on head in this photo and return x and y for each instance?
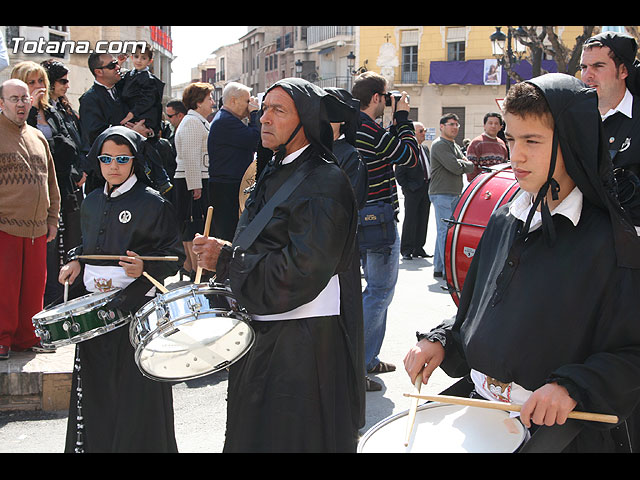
(579, 133)
(625, 47)
(317, 109)
(137, 143)
(350, 127)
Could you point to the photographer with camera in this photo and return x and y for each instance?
(380, 150)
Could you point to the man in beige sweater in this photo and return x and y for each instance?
(29, 209)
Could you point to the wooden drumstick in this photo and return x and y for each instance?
(207, 225)
(66, 290)
(509, 407)
(414, 407)
(158, 285)
(117, 257)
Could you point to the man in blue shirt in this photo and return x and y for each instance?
(232, 144)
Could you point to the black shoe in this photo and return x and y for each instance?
(422, 254)
(407, 256)
(373, 386)
(437, 274)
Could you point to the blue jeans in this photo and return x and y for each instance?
(444, 205)
(381, 273)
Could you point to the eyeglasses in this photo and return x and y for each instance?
(121, 159)
(110, 65)
(16, 99)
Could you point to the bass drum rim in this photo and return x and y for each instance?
(454, 285)
(444, 408)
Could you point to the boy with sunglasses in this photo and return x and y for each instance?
(120, 410)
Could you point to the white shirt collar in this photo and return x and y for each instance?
(625, 106)
(123, 187)
(570, 207)
(293, 155)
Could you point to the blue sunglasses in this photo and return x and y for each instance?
(121, 159)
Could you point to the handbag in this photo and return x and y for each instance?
(376, 227)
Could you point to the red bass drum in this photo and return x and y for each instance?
(486, 193)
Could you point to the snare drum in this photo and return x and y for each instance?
(440, 428)
(189, 332)
(78, 320)
(480, 199)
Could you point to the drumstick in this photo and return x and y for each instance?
(207, 225)
(66, 290)
(158, 285)
(510, 407)
(117, 257)
(414, 407)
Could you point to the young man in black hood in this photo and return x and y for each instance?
(113, 407)
(548, 313)
(300, 388)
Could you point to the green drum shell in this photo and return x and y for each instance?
(85, 318)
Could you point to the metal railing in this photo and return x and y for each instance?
(317, 34)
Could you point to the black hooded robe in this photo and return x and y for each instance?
(532, 312)
(113, 406)
(296, 389)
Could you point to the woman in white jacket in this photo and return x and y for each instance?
(192, 164)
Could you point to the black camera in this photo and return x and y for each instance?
(396, 94)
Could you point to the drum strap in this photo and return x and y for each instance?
(552, 439)
(246, 238)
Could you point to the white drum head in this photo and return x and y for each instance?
(446, 429)
(194, 347)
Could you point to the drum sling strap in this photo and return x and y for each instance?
(246, 238)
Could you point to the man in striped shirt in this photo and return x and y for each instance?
(381, 149)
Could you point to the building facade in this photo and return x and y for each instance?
(444, 69)
(72, 45)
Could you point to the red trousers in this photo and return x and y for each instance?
(23, 273)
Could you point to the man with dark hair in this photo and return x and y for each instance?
(609, 65)
(299, 388)
(548, 313)
(487, 149)
(448, 164)
(381, 150)
(100, 108)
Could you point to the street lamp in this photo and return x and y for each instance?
(507, 57)
(298, 65)
(351, 62)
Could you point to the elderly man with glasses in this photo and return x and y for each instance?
(29, 209)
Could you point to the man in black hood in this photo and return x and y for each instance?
(300, 388)
(609, 65)
(548, 312)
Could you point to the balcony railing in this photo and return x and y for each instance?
(337, 82)
(410, 76)
(319, 34)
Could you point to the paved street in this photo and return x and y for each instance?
(419, 303)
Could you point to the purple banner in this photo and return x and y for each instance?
(473, 72)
